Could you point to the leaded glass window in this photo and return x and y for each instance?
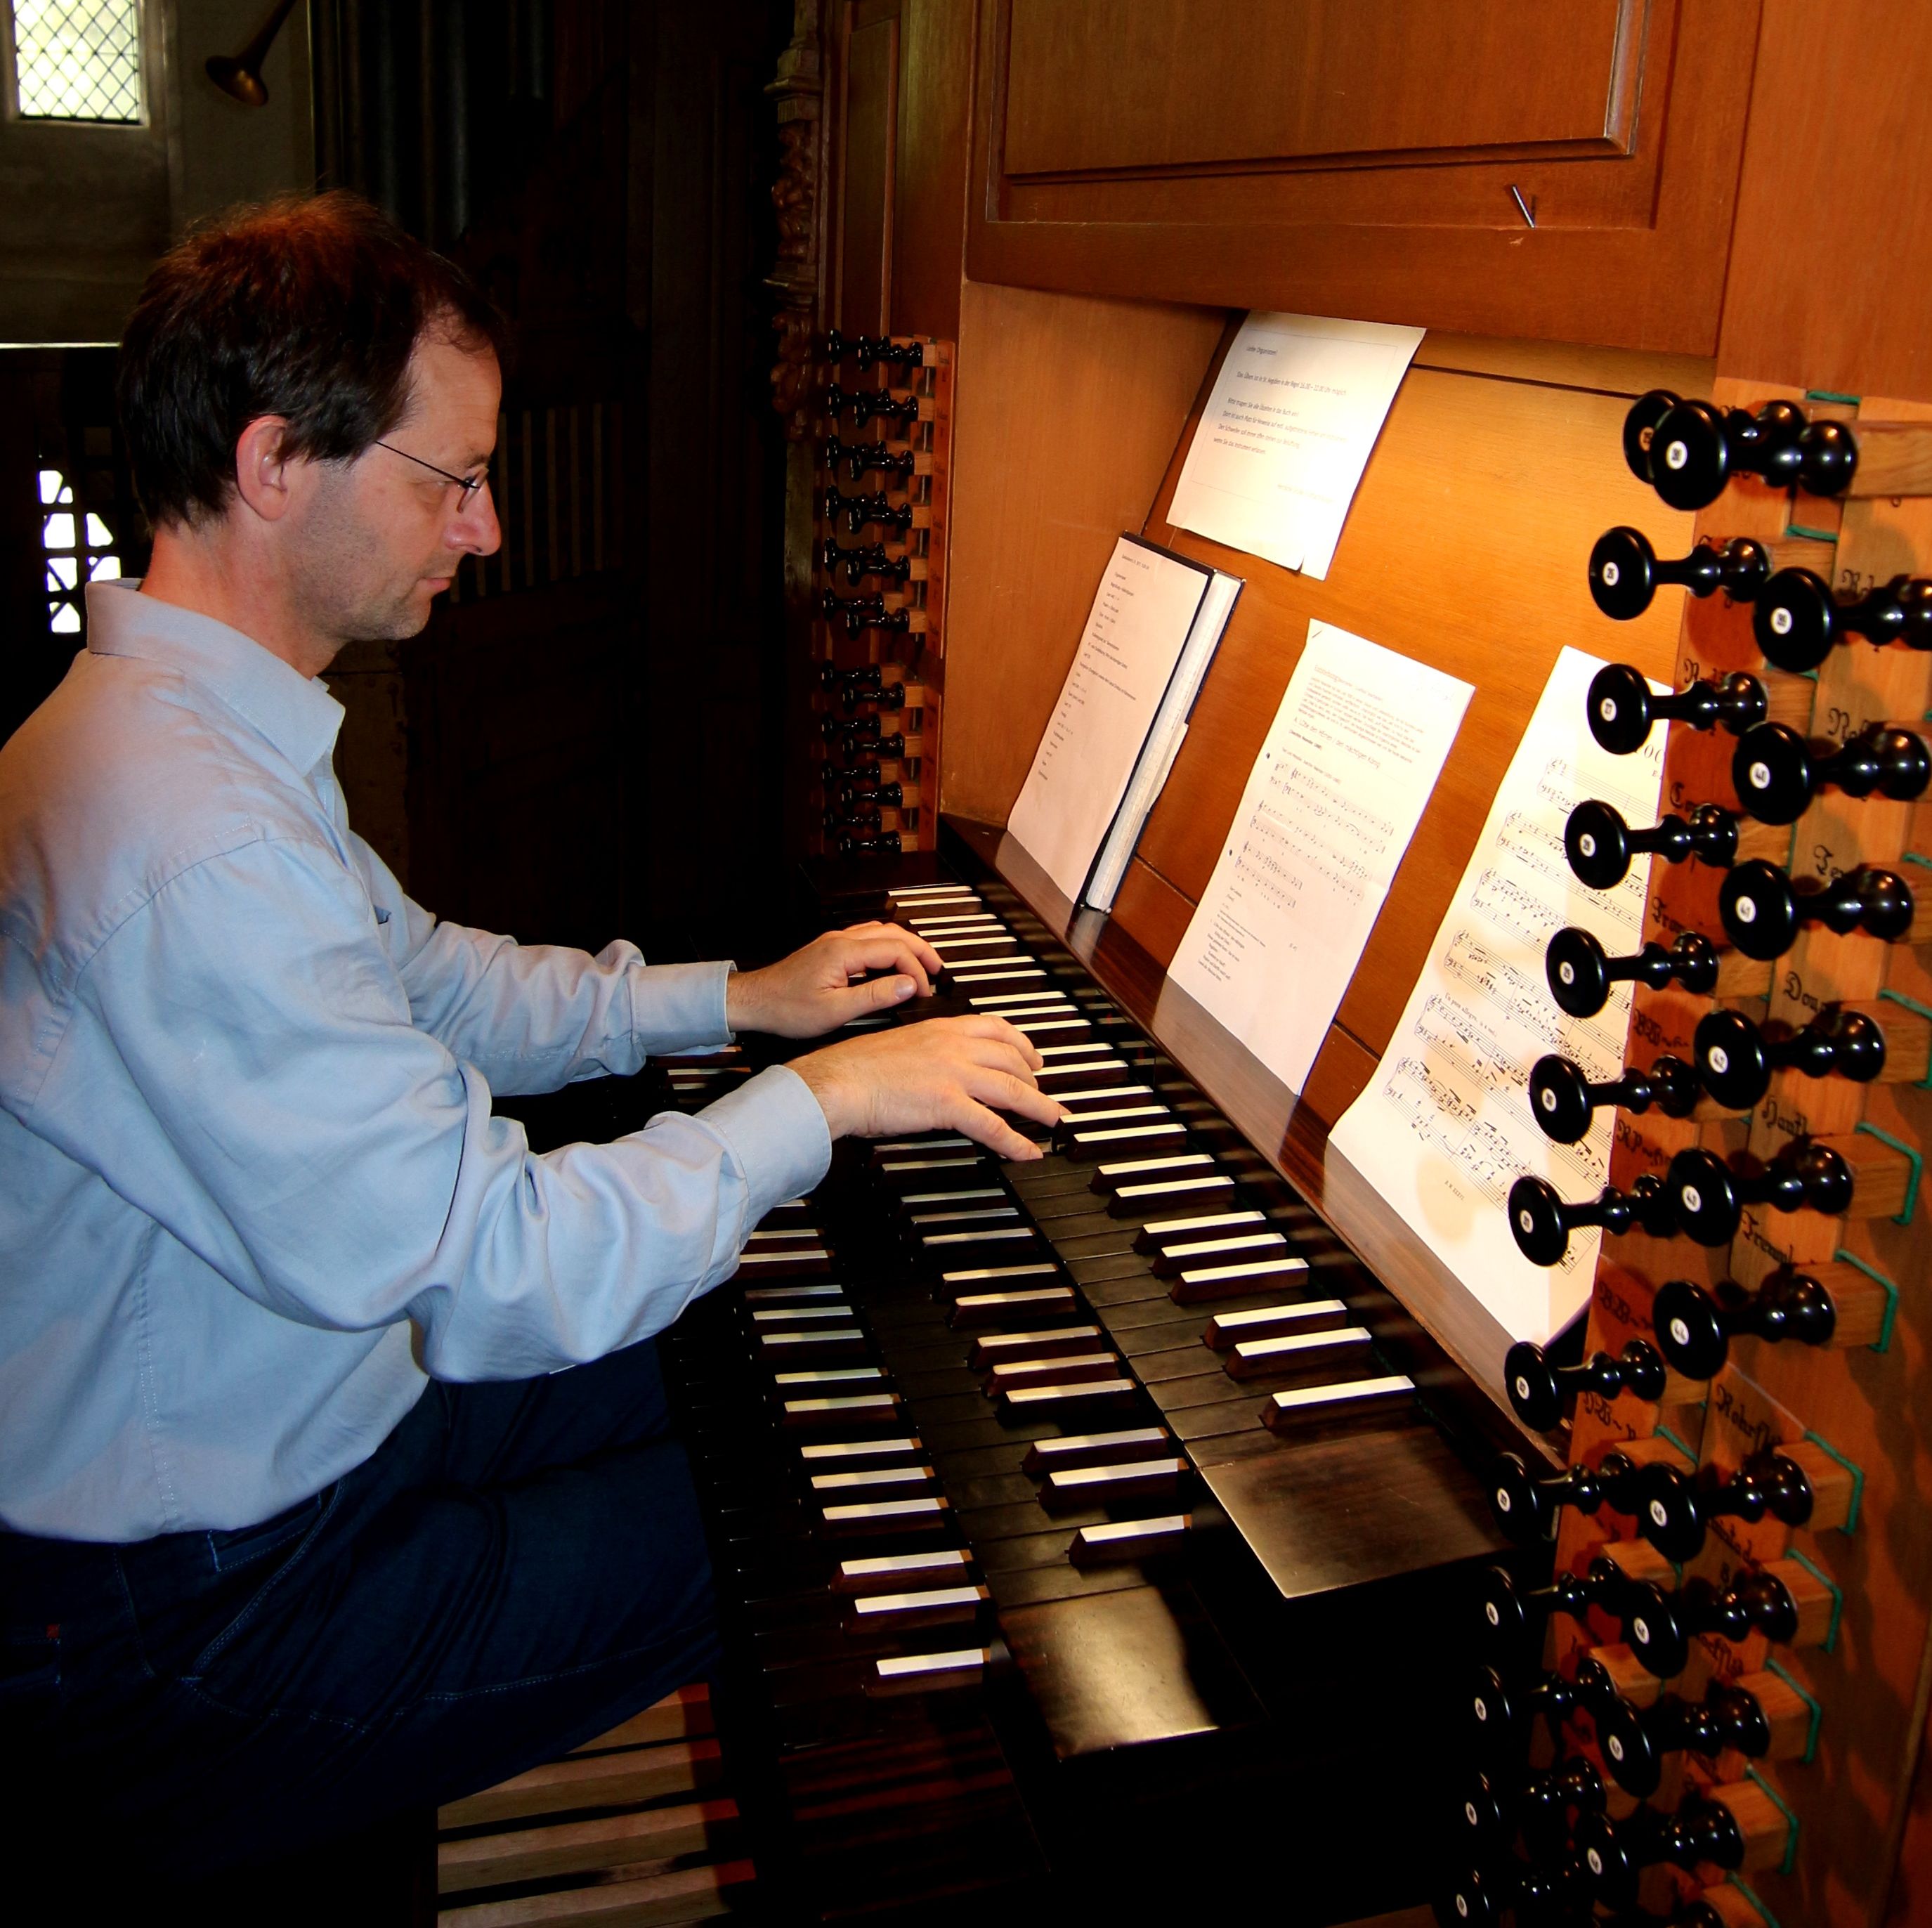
(77, 60)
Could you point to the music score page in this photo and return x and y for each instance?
(1289, 426)
(1142, 612)
(1330, 804)
(1443, 1128)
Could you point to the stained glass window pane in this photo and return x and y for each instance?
(78, 60)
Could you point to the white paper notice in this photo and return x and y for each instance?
(1332, 801)
(1287, 432)
(1134, 636)
(1444, 1129)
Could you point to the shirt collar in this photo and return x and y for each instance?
(294, 712)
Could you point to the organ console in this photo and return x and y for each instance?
(1167, 1457)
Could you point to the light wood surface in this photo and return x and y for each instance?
(1625, 247)
(1068, 409)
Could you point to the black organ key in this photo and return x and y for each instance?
(1736, 1058)
(1539, 1390)
(1621, 709)
(1601, 845)
(1674, 1508)
(1542, 1220)
(1778, 774)
(1625, 573)
(1526, 1506)
(1798, 619)
(1564, 1100)
(1709, 1194)
(1763, 909)
(1579, 973)
(1694, 1327)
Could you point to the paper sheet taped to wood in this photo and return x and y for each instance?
(1288, 430)
(1444, 1129)
(1334, 796)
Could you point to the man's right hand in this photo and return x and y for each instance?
(950, 1074)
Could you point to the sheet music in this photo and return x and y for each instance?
(1443, 1128)
(1331, 803)
(1141, 614)
(1295, 410)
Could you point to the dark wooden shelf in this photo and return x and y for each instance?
(1274, 1120)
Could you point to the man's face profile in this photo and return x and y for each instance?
(381, 536)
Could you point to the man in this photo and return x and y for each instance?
(305, 1523)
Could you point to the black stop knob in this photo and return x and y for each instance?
(1538, 1390)
(1538, 1897)
(1615, 1853)
(1526, 1507)
(1625, 573)
(891, 795)
(868, 559)
(837, 819)
(859, 458)
(1736, 1058)
(1640, 425)
(891, 697)
(1763, 910)
(1600, 845)
(1563, 1101)
(861, 612)
(1495, 1807)
(1674, 1509)
(1709, 1195)
(866, 351)
(1512, 1618)
(1798, 618)
(1658, 1626)
(887, 846)
(1778, 773)
(1635, 1740)
(1501, 1714)
(1695, 448)
(866, 677)
(1622, 709)
(1579, 974)
(1543, 1221)
(858, 510)
(1694, 1328)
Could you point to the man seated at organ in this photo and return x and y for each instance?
(335, 1472)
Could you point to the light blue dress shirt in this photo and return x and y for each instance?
(251, 1193)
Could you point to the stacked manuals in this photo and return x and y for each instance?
(1156, 620)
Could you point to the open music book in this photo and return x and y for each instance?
(1122, 713)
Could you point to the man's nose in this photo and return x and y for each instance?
(476, 527)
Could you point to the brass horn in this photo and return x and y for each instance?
(240, 74)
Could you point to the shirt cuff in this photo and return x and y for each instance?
(774, 1125)
(678, 1007)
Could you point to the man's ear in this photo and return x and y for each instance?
(262, 469)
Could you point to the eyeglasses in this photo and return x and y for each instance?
(470, 485)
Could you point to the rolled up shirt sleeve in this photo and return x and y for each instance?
(341, 1166)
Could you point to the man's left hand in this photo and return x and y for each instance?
(811, 991)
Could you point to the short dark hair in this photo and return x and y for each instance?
(306, 307)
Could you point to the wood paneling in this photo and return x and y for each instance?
(1828, 287)
(1068, 410)
(870, 67)
(936, 44)
(1105, 85)
(1625, 248)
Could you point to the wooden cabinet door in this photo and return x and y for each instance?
(1515, 168)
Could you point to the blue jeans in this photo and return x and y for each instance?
(516, 1568)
